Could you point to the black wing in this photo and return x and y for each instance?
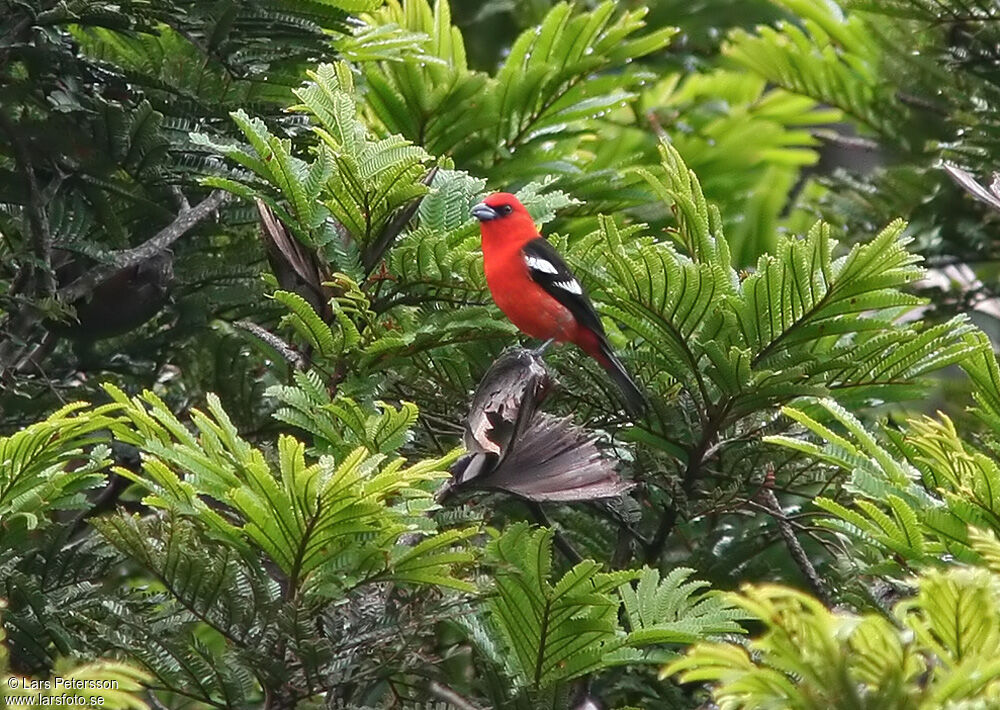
(548, 270)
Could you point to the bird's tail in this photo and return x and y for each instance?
(635, 400)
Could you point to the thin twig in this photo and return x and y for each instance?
(287, 351)
(562, 544)
(180, 197)
(767, 497)
(445, 694)
(854, 142)
(623, 548)
(696, 458)
(33, 357)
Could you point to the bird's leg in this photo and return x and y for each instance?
(540, 350)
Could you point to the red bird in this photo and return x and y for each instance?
(535, 289)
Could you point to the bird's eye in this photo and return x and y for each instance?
(506, 209)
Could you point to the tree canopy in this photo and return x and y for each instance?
(253, 448)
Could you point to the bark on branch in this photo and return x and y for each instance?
(770, 501)
(445, 694)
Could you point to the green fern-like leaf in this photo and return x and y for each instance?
(829, 57)
(674, 610)
(548, 88)
(555, 631)
(372, 177)
(308, 324)
(809, 657)
(49, 465)
(914, 499)
(325, 523)
(805, 322)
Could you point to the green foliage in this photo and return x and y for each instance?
(50, 465)
(354, 184)
(340, 426)
(541, 83)
(325, 524)
(548, 89)
(372, 178)
(280, 545)
(249, 548)
(917, 80)
(558, 630)
(826, 55)
(722, 348)
(438, 103)
(804, 322)
(675, 610)
(98, 102)
(748, 144)
(914, 497)
(941, 652)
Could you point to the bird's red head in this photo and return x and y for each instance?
(502, 215)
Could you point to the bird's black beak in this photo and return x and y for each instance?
(484, 213)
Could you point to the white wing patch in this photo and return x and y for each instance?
(572, 285)
(539, 264)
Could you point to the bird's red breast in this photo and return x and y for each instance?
(523, 301)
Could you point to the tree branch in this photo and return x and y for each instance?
(182, 224)
(562, 544)
(287, 351)
(21, 323)
(692, 472)
(770, 501)
(447, 695)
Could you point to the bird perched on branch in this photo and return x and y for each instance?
(535, 289)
